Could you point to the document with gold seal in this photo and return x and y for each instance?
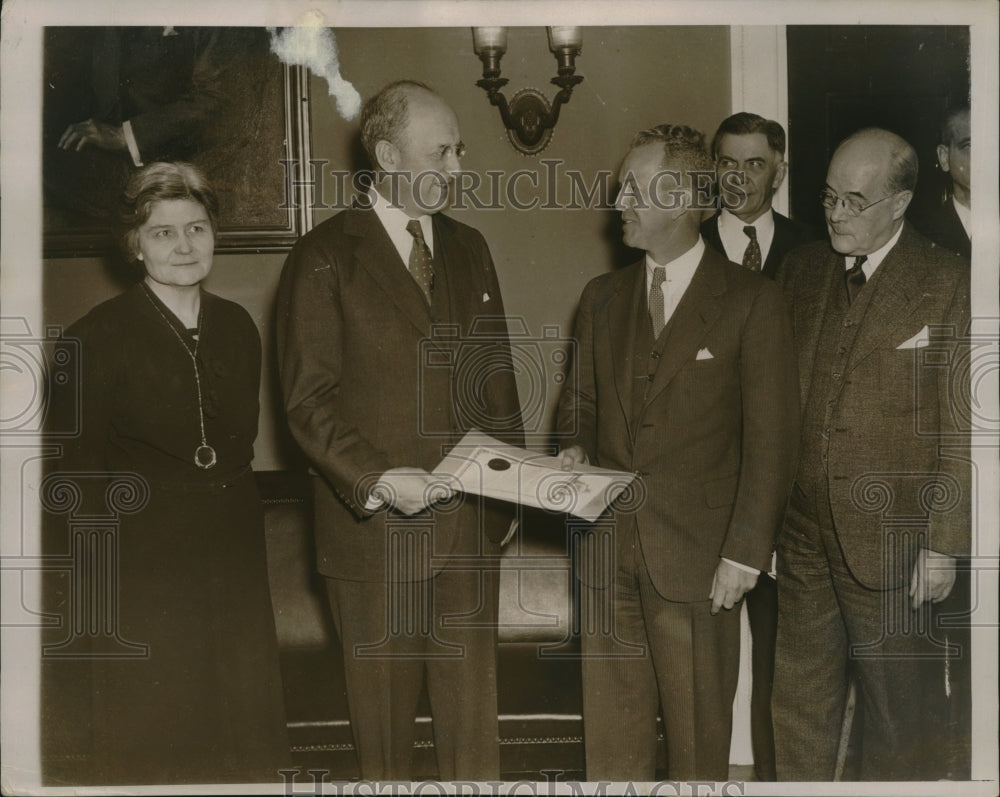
(483, 465)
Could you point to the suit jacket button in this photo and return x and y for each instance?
(655, 355)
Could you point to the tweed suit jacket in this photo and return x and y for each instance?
(374, 379)
(715, 443)
(898, 445)
(787, 235)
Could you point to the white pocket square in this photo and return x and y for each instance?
(704, 354)
(918, 341)
(486, 297)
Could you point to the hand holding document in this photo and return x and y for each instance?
(482, 465)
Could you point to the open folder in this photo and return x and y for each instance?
(482, 465)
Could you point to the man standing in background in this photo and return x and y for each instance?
(749, 155)
(950, 224)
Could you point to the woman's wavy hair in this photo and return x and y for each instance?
(157, 182)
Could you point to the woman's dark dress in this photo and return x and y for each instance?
(204, 704)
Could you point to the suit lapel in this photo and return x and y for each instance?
(779, 245)
(812, 294)
(376, 254)
(623, 315)
(456, 276)
(696, 312)
(897, 291)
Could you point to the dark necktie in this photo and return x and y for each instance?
(421, 263)
(751, 255)
(657, 313)
(856, 279)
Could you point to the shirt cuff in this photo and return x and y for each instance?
(133, 145)
(747, 568)
(511, 531)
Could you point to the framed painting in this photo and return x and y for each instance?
(116, 97)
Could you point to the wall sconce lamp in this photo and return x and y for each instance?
(528, 117)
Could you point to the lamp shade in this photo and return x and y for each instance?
(565, 37)
(485, 39)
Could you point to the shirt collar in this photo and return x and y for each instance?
(394, 219)
(874, 258)
(764, 223)
(735, 241)
(680, 268)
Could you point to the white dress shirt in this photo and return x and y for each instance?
(735, 241)
(874, 258)
(395, 220)
(964, 216)
(679, 273)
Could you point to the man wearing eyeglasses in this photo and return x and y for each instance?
(380, 310)
(880, 504)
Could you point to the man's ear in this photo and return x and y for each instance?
(779, 175)
(900, 202)
(942, 153)
(387, 155)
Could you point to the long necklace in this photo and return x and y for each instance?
(204, 455)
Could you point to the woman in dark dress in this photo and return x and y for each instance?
(168, 390)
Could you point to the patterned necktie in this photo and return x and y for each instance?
(656, 309)
(421, 263)
(751, 255)
(856, 279)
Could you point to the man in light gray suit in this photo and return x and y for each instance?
(880, 504)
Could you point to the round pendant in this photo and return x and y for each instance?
(204, 457)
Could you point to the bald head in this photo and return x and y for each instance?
(875, 171)
(411, 133)
(886, 150)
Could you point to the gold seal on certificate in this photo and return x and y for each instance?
(482, 465)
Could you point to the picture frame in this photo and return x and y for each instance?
(253, 142)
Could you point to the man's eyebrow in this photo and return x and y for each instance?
(849, 193)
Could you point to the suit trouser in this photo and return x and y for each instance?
(392, 634)
(762, 612)
(946, 685)
(641, 651)
(831, 627)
